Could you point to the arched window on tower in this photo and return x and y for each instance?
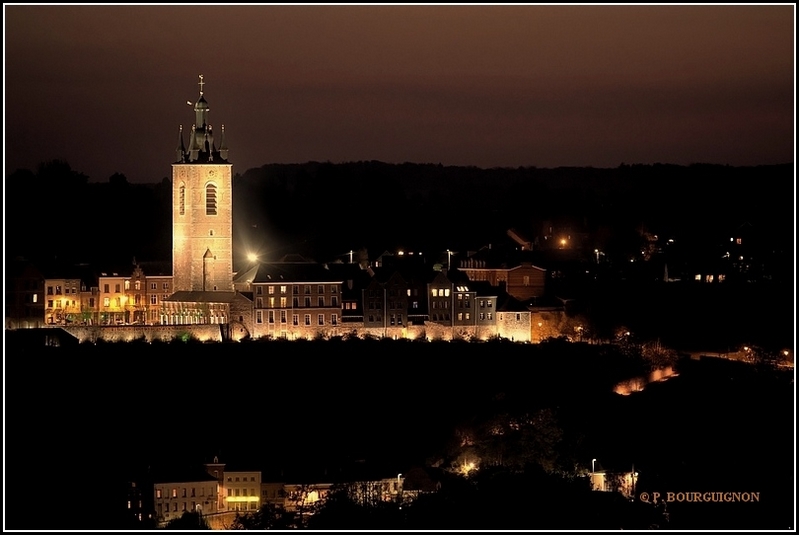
(210, 199)
(182, 199)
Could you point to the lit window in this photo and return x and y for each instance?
(271, 290)
(35, 298)
(157, 493)
(446, 292)
(127, 285)
(106, 301)
(435, 292)
(282, 289)
(282, 302)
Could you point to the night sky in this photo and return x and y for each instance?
(105, 88)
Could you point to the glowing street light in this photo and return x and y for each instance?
(252, 257)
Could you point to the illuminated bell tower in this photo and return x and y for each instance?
(202, 208)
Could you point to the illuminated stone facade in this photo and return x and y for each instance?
(173, 498)
(241, 491)
(202, 228)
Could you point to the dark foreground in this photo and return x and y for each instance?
(77, 420)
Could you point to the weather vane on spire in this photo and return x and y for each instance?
(201, 84)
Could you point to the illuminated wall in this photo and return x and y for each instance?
(241, 491)
(171, 500)
(62, 301)
(202, 226)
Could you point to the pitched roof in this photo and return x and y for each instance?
(180, 474)
(309, 272)
(508, 303)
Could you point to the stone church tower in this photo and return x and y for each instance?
(202, 208)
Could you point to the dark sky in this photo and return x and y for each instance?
(106, 87)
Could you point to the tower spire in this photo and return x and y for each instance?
(201, 146)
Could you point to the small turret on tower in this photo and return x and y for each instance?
(181, 150)
(223, 145)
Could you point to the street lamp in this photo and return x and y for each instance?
(592, 465)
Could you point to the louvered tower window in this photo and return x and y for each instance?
(182, 199)
(210, 199)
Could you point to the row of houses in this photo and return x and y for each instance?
(397, 296)
(219, 492)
